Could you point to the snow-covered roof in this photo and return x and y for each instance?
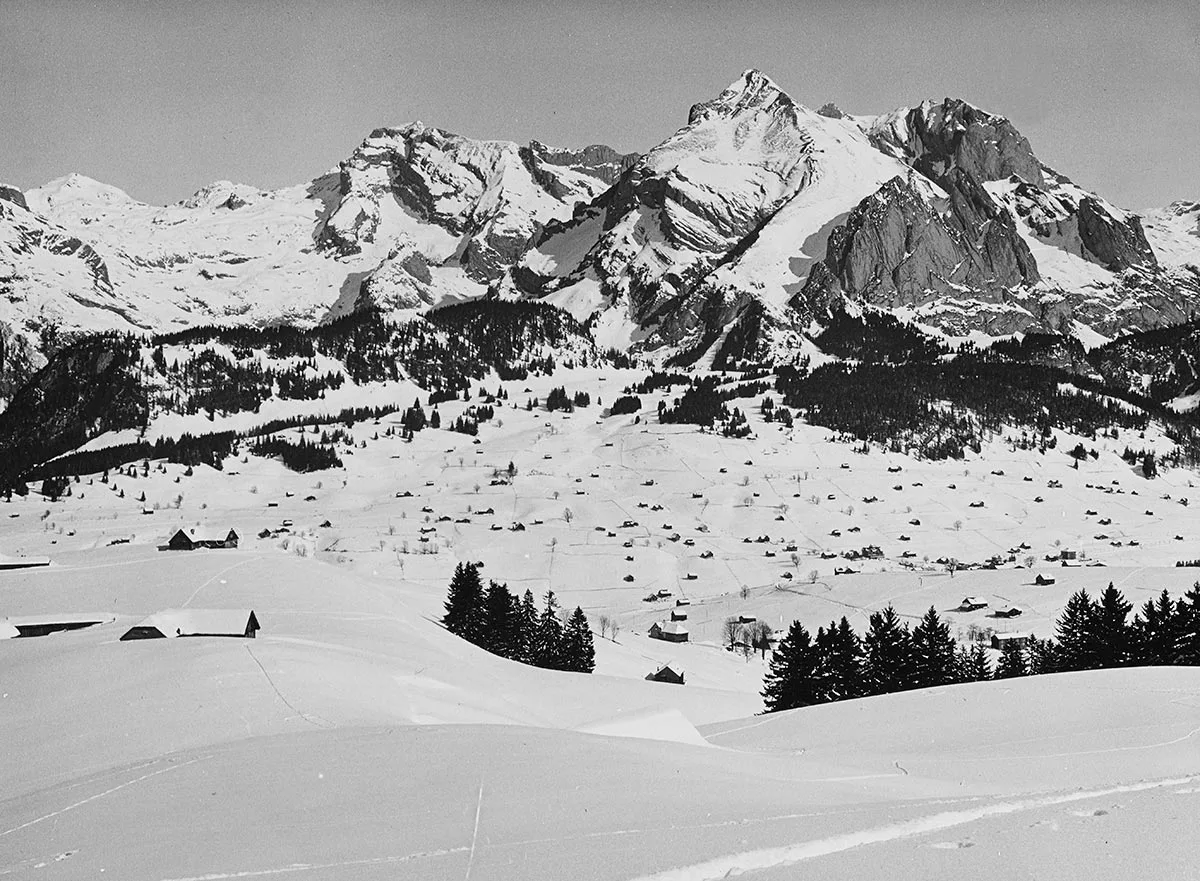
(672, 627)
(201, 622)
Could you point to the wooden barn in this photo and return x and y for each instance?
(670, 631)
(666, 674)
(239, 623)
(1043, 580)
(181, 541)
(1000, 640)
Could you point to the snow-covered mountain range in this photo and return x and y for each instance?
(728, 239)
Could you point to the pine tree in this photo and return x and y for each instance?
(932, 652)
(888, 665)
(1012, 662)
(1154, 633)
(1187, 639)
(579, 652)
(1108, 634)
(527, 622)
(791, 680)
(1042, 656)
(548, 637)
(501, 633)
(823, 644)
(464, 604)
(972, 664)
(1074, 648)
(846, 663)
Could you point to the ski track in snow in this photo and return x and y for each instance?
(318, 867)
(195, 592)
(99, 795)
(786, 855)
(475, 831)
(315, 721)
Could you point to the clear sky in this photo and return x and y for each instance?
(162, 97)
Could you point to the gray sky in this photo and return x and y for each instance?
(162, 97)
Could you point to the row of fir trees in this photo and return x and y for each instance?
(512, 627)
(838, 664)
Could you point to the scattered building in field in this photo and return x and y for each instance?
(1000, 640)
(970, 604)
(43, 625)
(670, 631)
(1043, 580)
(666, 674)
(241, 623)
(678, 615)
(181, 541)
(1007, 612)
(23, 562)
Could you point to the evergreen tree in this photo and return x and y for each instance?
(1108, 634)
(1042, 656)
(932, 652)
(823, 649)
(791, 679)
(846, 663)
(527, 622)
(1155, 632)
(972, 664)
(888, 665)
(1187, 641)
(548, 637)
(1012, 662)
(501, 630)
(578, 649)
(1073, 628)
(464, 604)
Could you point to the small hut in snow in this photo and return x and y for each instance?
(666, 674)
(670, 631)
(181, 541)
(241, 623)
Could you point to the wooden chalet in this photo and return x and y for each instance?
(666, 674)
(1000, 640)
(669, 631)
(181, 541)
(170, 623)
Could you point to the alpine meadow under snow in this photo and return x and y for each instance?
(806, 496)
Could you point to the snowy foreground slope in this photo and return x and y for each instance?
(354, 738)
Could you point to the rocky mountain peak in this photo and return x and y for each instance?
(955, 134)
(12, 194)
(753, 92)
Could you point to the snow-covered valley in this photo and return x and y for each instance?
(355, 738)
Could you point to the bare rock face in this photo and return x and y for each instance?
(898, 249)
(1115, 243)
(688, 206)
(12, 194)
(954, 134)
(479, 203)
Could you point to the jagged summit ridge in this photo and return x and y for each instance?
(725, 240)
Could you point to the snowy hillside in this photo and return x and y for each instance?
(354, 737)
(415, 217)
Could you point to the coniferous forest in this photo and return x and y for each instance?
(1092, 634)
(514, 627)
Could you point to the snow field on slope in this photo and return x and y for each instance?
(333, 722)
(579, 547)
